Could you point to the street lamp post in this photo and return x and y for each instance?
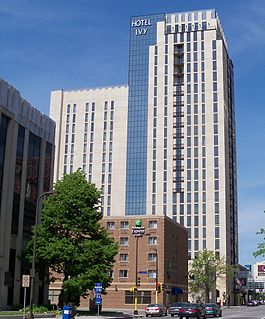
(33, 270)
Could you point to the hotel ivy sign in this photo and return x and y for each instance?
(141, 26)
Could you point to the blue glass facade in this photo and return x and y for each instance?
(142, 35)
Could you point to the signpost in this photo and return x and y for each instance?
(138, 231)
(25, 285)
(98, 296)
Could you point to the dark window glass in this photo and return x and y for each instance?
(32, 180)
(47, 169)
(3, 132)
(17, 183)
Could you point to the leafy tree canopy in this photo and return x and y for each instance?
(70, 239)
(204, 271)
(261, 246)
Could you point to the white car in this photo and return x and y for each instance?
(155, 309)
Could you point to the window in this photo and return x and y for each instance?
(152, 257)
(152, 224)
(124, 224)
(144, 298)
(124, 241)
(110, 225)
(151, 273)
(217, 220)
(152, 241)
(124, 257)
(123, 273)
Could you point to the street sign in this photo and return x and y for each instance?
(98, 301)
(25, 281)
(98, 287)
(142, 272)
(138, 231)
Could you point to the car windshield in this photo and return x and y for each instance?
(191, 305)
(210, 305)
(153, 305)
(177, 304)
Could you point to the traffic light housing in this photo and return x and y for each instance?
(138, 281)
(133, 289)
(158, 288)
(162, 286)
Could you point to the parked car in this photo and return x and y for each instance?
(192, 310)
(251, 303)
(212, 309)
(174, 308)
(155, 309)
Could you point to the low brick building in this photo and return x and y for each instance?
(162, 247)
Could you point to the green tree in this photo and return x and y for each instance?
(261, 246)
(205, 269)
(71, 240)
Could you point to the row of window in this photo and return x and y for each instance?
(182, 28)
(111, 225)
(124, 241)
(104, 147)
(124, 257)
(67, 139)
(124, 273)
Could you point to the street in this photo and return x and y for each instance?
(245, 312)
(237, 312)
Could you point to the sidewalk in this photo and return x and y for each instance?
(107, 313)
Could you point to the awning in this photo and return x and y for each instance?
(176, 291)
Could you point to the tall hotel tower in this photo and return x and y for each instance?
(170, 140)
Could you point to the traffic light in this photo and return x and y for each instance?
(158, 288)
(162, 286)
(138, 281)
(133, 289)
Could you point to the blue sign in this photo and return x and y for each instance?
(248, 267)
(98, 301)
(98, 287)
(98, 290)
(142, 272)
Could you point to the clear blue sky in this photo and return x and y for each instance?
(67, 44)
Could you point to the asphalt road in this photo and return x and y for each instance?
(245, 312)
